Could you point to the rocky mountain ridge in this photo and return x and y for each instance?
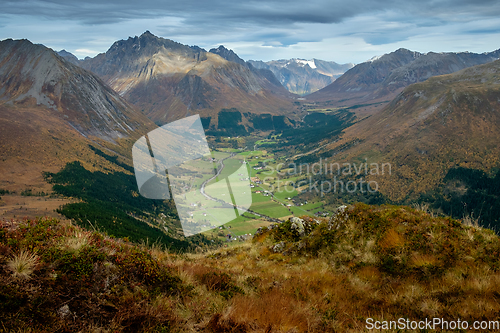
(382, 78)
(168, 80)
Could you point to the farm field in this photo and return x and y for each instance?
(270, 194)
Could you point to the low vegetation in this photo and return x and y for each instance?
(303, 275)
(57, 277)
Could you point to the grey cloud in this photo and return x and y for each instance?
(484, 31)
(274, 22)
(277, 11)
(228, 13)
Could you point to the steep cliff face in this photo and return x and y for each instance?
(168, 80)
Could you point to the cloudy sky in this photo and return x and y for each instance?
(341, 31)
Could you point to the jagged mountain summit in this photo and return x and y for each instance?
(168, 80)
(227, 54)
(302, 76)
(69, 57)
(382, 78)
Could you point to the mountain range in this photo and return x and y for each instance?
(382, 78)
(67, 127)
(431, 127)
(427, 122)
(302, 76)
(168, 81)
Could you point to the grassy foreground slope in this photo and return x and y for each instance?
(304, 275)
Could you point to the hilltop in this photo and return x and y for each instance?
(304, 275)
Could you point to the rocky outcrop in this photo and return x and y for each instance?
(69, 57)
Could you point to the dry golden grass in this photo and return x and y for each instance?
(391, 240)
(78, 240)
(22, 264)
(412, 265)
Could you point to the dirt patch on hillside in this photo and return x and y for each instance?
(15, 206)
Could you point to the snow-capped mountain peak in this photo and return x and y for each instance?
(303, 63)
